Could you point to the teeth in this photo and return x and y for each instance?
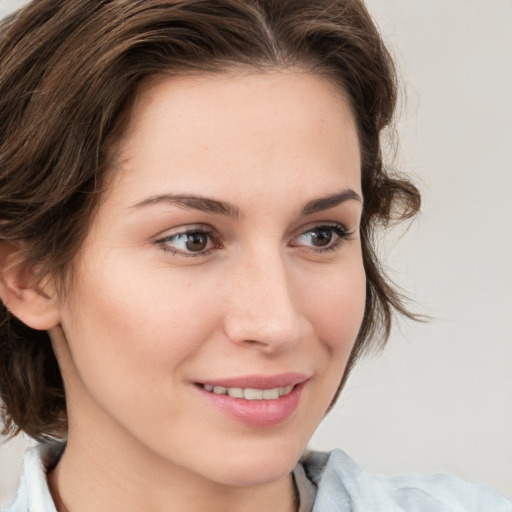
(236, 392)
(253, 394)
(270, 394)
(285, 391)
(249, 393)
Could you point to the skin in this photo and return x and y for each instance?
(147, 318)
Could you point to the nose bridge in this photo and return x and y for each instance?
(262, 308)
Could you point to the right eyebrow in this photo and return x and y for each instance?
(204, 204)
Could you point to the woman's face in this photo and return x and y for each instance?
(221, 288)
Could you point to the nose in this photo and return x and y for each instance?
(263, 306)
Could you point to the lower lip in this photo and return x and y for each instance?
(257, 413)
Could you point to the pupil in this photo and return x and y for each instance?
(321, 237)
(196, 241)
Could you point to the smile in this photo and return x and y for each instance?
(250, 393)
(256, 401)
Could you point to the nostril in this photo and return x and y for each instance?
(254, 342)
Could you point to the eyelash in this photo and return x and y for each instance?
(203, 230)
(342, 235)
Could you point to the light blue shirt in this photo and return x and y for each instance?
(332, 480)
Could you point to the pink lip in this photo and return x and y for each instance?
(257, 413)
(259, 381)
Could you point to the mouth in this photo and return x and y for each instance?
(249, 393)
(256, 401)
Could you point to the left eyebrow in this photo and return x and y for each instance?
(325, 203)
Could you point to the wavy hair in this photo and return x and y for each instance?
(69, 70)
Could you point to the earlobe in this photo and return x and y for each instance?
(25, 297)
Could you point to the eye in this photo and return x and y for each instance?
(323, 238)
(191, 242)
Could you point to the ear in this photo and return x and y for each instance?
(31, 301)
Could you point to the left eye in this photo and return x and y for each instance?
(195, 241)
(323, 237)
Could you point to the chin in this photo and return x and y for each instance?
(262, 472)
(255, 465)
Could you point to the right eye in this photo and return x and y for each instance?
(190, 242)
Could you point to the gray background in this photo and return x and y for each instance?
(439, 397)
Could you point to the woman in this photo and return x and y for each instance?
(188, 194)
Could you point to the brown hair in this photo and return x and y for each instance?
(69, 70)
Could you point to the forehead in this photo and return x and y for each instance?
(236, 127)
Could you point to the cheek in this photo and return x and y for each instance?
(126, 326)
(336, 310)
(337, 306)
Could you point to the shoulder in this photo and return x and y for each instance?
(33, 493)
(343, 486)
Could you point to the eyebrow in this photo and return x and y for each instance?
(325, 203)
(204, 204)
(209, 205)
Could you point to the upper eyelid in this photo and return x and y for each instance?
(163, 238)
(182, 230)
(214, 232)
(346, 233)
(320, 224)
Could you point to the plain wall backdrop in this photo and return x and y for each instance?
(439, 398)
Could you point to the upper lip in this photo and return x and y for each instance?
(258, 381)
